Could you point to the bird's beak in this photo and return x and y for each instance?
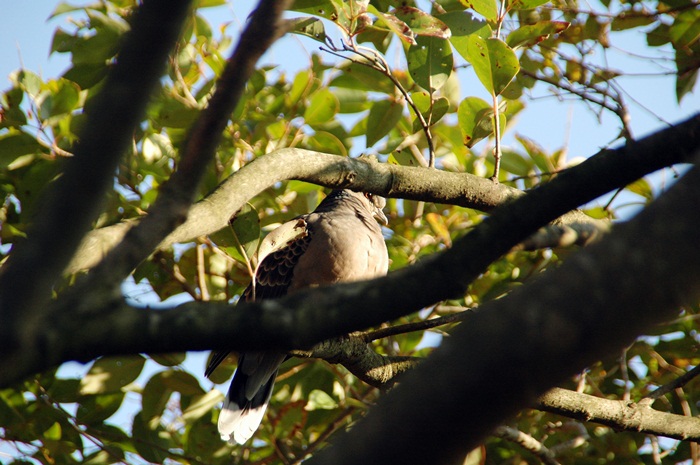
(381, 217)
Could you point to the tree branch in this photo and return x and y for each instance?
(620, 414)
(625, 165)
(527, 442)
(361, 360)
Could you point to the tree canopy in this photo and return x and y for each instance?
(520, 322)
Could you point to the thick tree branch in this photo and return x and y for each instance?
(213, 212)
(538, 335)
(361, 360)
(619, 414)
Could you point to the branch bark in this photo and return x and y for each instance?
(620, 414)
(416, 183)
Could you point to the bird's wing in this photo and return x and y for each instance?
(279, 253)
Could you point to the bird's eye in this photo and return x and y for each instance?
(369, 196)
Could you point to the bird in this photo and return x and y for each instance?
(340, 241)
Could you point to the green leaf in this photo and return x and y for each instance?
(525, 4)
(659, 36)
(246, 229)
(514, 163)
(360, 77)
(494, 62)
(322, 107)
(64, 98)
(623, 23)
(111, 374)
(14, 144)
(160, 388)
(169, 360)
(432, 110)
(323, 8)
(320, 400)
(535, 33)
(403, 158)
(685, 30)
(394, 24)
(463, 24)
(688, 65)
(153, 442)
(486, 8)
(65, 390)
(93, 410)
(325, 141)
(475, 117)
(201, 404)
(64, 7)
(209, 3)
(86, 75)
(421, 23)
(28, 81)
(430, 62)
(383, 117)
(642, 188)
(352, 100)
(309, 27)
(53, 433)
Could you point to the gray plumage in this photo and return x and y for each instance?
(340, 241)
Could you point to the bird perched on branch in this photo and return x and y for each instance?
(340, 241)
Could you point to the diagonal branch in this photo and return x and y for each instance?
(625, 164)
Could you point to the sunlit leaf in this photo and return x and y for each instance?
(421, 23)
(322, 107)
(431, 110)
(309, 27)
(394, 24)
(15, 144)
(463, 24)
(320, 400)
(642, 188)
(526, 4)
(430, 62)
(246, 228)
(494, 62)
(685, 30)
(475, 118)
(535, 33)
(486, 8)
(110, 374)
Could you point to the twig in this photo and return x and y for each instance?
(377, 62)
(370, 336)
(527, 442)
(673, 385)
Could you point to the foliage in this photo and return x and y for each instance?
(331, 106)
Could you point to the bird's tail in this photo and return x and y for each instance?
(240, 416)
